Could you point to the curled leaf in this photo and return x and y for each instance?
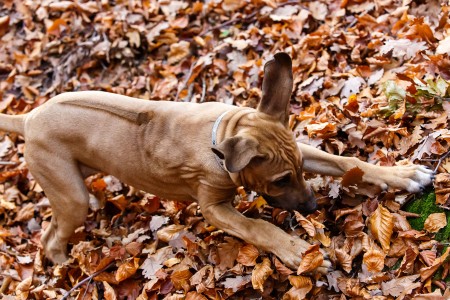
(305, 223)
(260, 274)
(312, 259)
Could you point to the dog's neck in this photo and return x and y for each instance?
(226, 126)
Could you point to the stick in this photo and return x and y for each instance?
(203, 90)
(191, 69)
(441, 160)
(8, 163)
(89, 278)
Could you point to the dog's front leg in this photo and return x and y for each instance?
(260, 233)
(412, 178)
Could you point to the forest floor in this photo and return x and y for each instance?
(371, 80)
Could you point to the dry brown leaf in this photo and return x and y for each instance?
(312, 259)
(306, 224)
(381, 224)
(23, 288)
(301, 286)
(374, 261)
(247, 255)
(127, 269)
(427, 272)
(428, 257)
(195, 296)
(352, 177)
(352, 288)
(402, 285)
(109, 293)
(168, 233)
(344, 259)
(435, 222)
(408, 260)
(178, 51)
(180, 279)
(260, 273)
(203, 279)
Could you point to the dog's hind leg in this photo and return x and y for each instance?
(63, 184)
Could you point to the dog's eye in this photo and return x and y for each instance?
(283, 181)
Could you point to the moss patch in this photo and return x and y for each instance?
(426, 206)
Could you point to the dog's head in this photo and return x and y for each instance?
(265, 153)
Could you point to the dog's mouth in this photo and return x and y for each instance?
(308, 207)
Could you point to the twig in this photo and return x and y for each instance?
(441, 160)
(8, 163)
(444, 207)
(89, 278)
(191, 69)
(203, 89)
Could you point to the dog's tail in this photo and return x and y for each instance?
(12, 123)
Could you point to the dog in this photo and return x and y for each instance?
(185, 151)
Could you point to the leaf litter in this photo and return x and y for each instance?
(371, 80)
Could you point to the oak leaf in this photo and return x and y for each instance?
(381, 224)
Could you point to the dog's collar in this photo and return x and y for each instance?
(214, 136)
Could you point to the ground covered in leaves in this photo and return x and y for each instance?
(370, 81)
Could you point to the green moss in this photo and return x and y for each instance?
(425, 206)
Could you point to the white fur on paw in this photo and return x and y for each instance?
(413, 186)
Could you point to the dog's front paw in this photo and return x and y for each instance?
(412, 178)
(291, 255)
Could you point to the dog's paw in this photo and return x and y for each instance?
(291, 256)
(411, 178)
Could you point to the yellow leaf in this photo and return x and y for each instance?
(381, 224)
(260, 273)
(435, 222)
(374, 260)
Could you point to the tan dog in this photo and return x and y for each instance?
(165, 148)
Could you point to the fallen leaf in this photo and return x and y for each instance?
(260, 274)
(247, 255)
(381, 224)
(435, 222)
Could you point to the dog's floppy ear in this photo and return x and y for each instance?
(277, 87)
(237, 151)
